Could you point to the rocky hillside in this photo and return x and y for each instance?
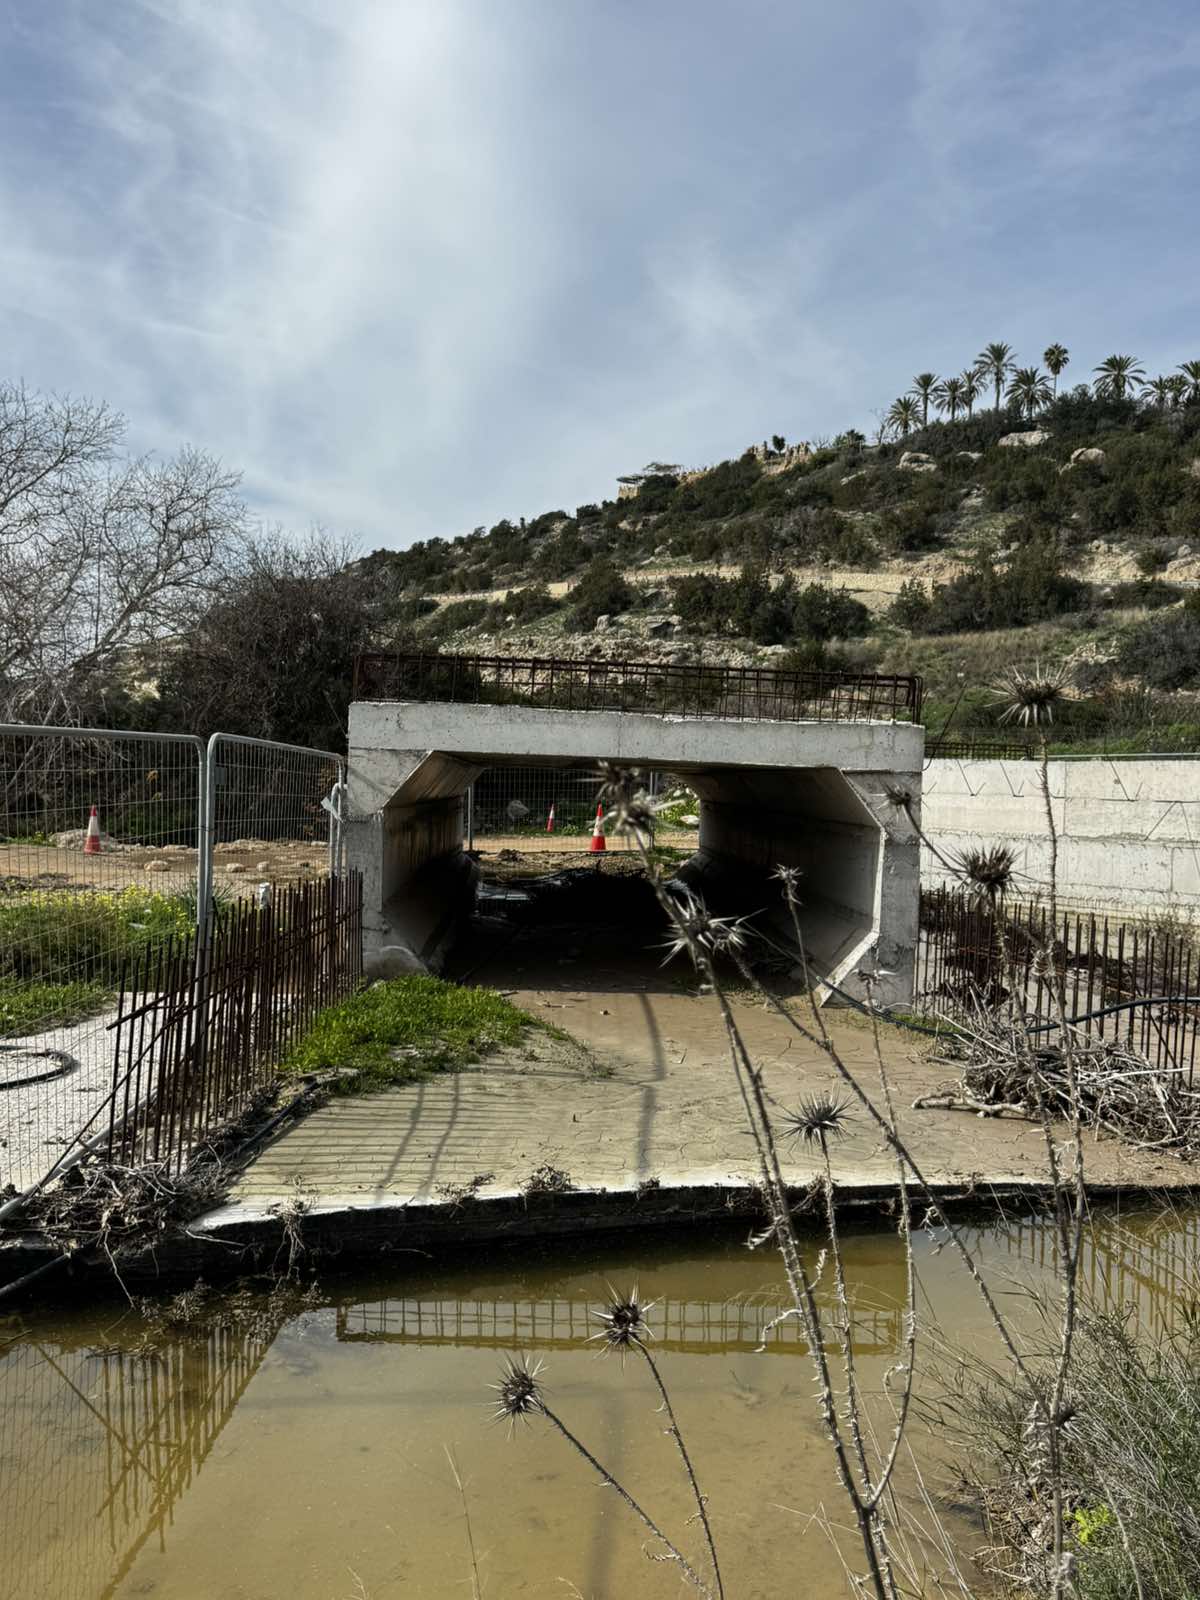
(955, 551)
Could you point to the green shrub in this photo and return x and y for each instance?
(1029, 589)
(1150, 592)
(1151, 558)
(748, 606)
(1134, 1435)
(27, 1006)
(602, 591)
(455, 616)
(1165, 651)
(912, 607)
(526, 604)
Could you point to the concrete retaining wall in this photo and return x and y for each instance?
(1128, 827)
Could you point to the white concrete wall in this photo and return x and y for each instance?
(1128, 827)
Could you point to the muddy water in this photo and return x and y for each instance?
(273, 1452)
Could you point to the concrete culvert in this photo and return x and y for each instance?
(808, 795)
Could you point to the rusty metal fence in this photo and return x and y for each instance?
(691, 689)
(201, 1027)
(1112, 969)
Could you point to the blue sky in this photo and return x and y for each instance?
(415, 265)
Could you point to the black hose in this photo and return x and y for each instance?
(1123, 1005)
(20, 1283)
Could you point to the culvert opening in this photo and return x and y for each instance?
(438, 790)
(541, 898)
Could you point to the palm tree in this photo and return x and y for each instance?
(1162, 389)
(1179, 388)
(972, 387)
(1030, 388)
(948, 396)
(904, 415)
(923, 386)
(993, 364)
(1056, 357)
(1116, 374)
(1191, 371)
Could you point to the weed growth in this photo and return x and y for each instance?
(408, 1028)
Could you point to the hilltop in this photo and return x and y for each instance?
(953, 549)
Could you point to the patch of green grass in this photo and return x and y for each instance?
(60, 936)
(408, 1028)
(28, 1006)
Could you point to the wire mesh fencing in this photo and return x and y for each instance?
(548, 809)
(98, 864)
(119, 851)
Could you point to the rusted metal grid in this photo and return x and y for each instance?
(199, 1033)
(693, 689)
(977, 750)
(1106, 962)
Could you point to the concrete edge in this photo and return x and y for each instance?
(235, 1241)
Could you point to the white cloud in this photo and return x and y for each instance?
(415, 267)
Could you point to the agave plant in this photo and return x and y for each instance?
(987, 874)
(1030, 697)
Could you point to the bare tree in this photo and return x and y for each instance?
(98, 553)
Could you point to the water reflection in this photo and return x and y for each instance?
(103, 1435)
(695, 1327)
(98, 1446)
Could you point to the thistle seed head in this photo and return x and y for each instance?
(789, 877)
(817, 1119)
(519, 1392)
(624, 1319)
(697, 930)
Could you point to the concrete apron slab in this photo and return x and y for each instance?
(661, 1138)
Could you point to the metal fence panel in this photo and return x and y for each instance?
(74, 911)
(270, 812)
(181, 835)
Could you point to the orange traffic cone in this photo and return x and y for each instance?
(550, 819)
(598, 832)
(91, 843)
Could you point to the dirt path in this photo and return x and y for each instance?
(173, 867)
(663, 1106)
